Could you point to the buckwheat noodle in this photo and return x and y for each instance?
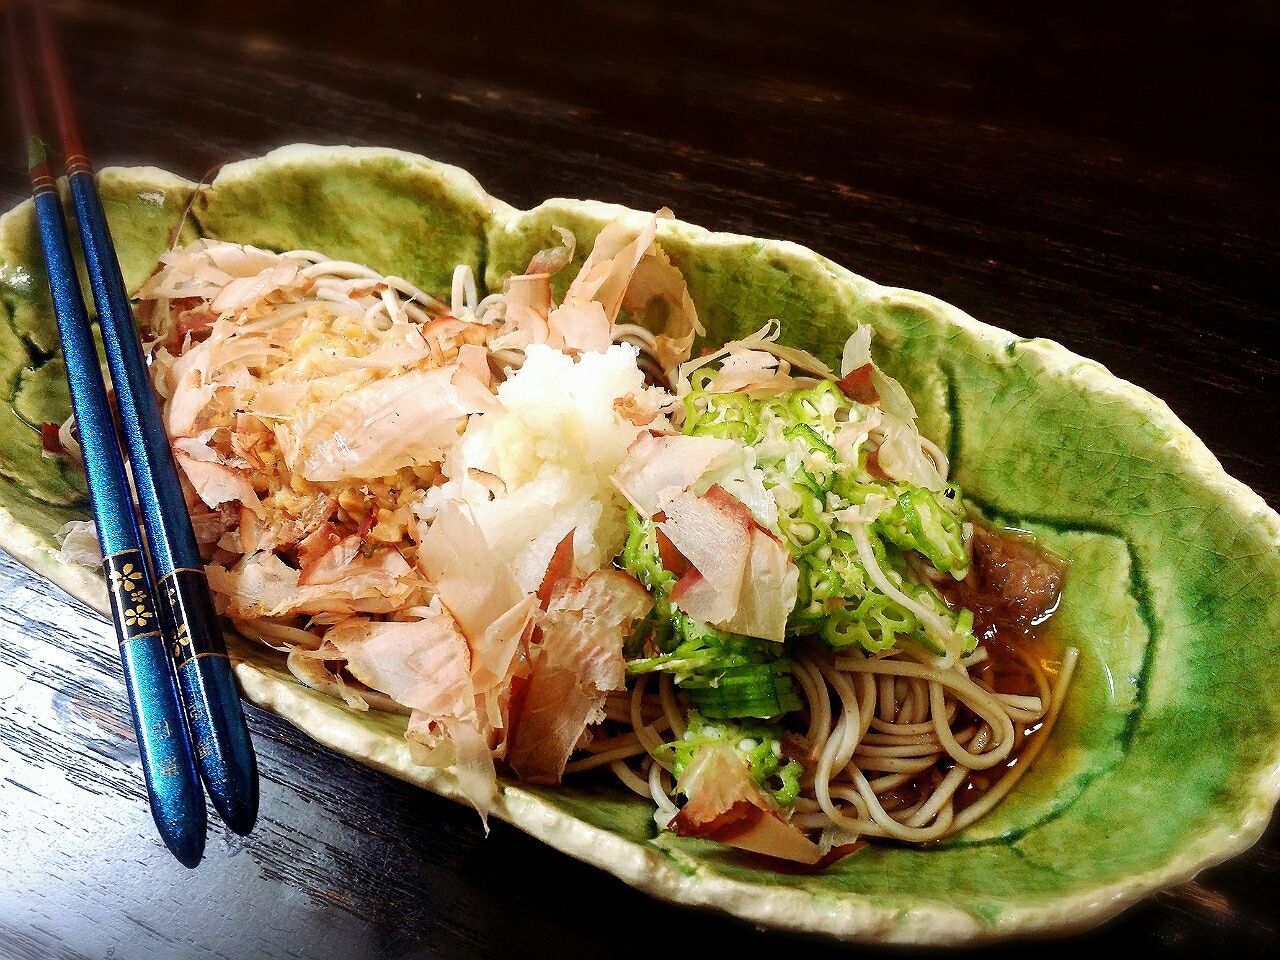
(900, 747)
(905, 746)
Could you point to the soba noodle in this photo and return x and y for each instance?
(906, 746)
(888, 744)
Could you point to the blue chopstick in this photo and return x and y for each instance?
(224, 752)
(173, 785)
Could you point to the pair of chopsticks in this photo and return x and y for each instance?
(186, 710)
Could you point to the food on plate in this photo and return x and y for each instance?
(741, 582)
(1135, 544)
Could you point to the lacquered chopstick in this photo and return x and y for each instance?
(173, 785)
(224, 752)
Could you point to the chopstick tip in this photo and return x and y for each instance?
(186, 843)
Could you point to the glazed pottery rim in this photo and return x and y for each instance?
(851, 916)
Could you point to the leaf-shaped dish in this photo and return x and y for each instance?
(1167, 756)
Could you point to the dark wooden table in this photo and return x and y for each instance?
(1105, 177)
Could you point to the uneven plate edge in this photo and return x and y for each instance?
(850, 917)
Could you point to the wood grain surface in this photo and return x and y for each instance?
(1104, 175)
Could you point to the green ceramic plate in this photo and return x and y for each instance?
(1167, 756)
